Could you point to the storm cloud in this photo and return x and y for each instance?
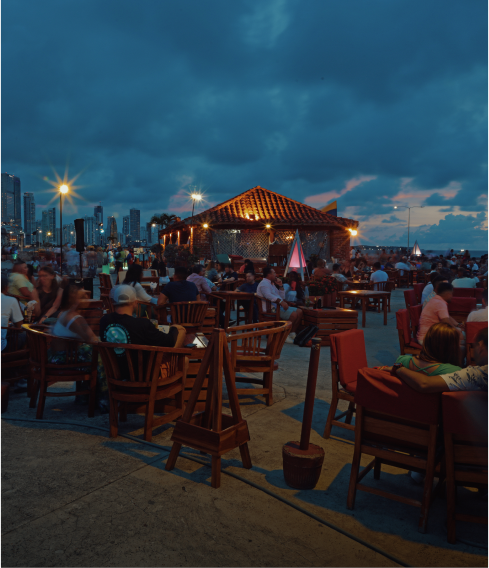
(374, 103)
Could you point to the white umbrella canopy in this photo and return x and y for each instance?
(416, 250)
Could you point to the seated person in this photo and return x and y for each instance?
(473, 378)
(465, 280)
(210, 271)
(403, 266)
(436, 311)
(440, 353)
(197, 277)
(480, 315)
(20, 285)
(294, 293)
(248, 266)
(340, 277)
(425, 265)
(320, 271)
(250, 286)
(121, 327)
(180, 290)
(346, 271)
(10, 311)
(389, 263)
(378, 275)
(429, 291)
(50, 292)
(229, 275)
(271, 288)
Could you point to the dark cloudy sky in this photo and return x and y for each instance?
(372, 102)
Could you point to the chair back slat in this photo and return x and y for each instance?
(348, 353)
(189, 314)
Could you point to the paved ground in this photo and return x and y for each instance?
(72, 496)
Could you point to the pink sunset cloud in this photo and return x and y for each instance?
(322, 199)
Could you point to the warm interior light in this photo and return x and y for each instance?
(268, 226)
(64, 188)
(206, 226)
(196, 196)
(353, 232)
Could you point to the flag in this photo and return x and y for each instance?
(331, 209)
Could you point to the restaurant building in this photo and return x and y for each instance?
(246, 224)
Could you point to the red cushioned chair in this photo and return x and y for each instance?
(472, 328)
(408, 344)
(418, 290)
(465, 431)
(347, 356)
(478, 295)
(464, 292)
(410, 298)
(397, 426)
(414, 317)
(460, 308)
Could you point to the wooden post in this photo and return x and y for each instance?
(310, 392)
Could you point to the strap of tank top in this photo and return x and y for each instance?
(424, 368)
(72, 320)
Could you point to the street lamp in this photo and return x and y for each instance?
(409, 214)
(195, 197)
(62, 190)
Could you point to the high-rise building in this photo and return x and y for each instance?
(126, 225)
(69, 236)
(143, 234)
(111, 227)
(49, 225)
(134, 215)
(98, 213)
(11, 203)
(57, 237)
(90, 225)
(29, 218)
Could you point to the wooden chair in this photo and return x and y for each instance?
(155, 374)
(92, 311)
(418, 290)
(403, 279)
(107, 303)
(464, 292)
(397, 426)
(44, 374)
(380, 287)
(414, 318)
(105, 283)
(15, 356)
(348, 355)
(460, 308)
(472, 328)
(256, 348)
(465, 433)
(190, 315)
(268, 314)
(410, 298)
(407, 343)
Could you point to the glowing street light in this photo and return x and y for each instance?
(268, 226)
(195, 197)
(205, 225)
(353, 232)
(63, 190)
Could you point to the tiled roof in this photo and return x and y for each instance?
(259, 206)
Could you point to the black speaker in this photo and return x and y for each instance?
(80, 234)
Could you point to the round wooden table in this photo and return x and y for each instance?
(229, 296)
(363, 296)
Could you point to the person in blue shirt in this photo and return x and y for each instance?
(250, 287)
(180, 290)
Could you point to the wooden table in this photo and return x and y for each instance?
(359, 284)
(230, 296)
(330, 321)
(363, 296)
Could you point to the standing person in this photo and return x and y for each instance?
(378, 275)
(129, 258)
(180, 290)
(197, 277)
(118, 260)
(267, 290)
(10, 311)
(50, 292)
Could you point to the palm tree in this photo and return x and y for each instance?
(163, 220)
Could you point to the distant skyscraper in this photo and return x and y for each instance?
(29, 218)
(49, 225)
(111, 227)
(11, 203)
(143, 234)
(90, 225)
(134, 215)
(69, 237)
(126, 225)
(98, 213)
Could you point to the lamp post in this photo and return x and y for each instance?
(39, 236)
(409, 214)
(195, 197)
(62, 190)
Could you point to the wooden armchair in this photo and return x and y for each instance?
(155, 375)
(44, 374)
(268, 314)
(190, 315)
(92, 311)
(256, 348)
(15, 356)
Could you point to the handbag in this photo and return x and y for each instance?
(305, 335)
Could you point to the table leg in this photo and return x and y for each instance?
(364, 310)
(228, 312)
(384, 305)
(250, 311)
(342, 301)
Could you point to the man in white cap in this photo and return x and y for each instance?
(121, 327)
